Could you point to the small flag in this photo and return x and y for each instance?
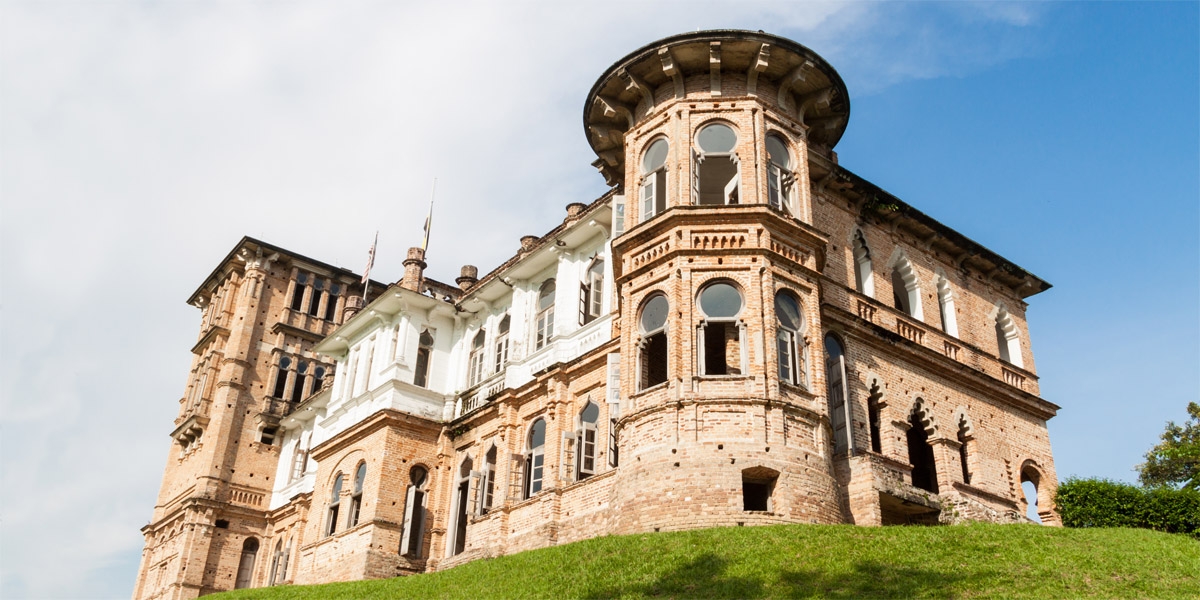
(429, 218)
(370, 260)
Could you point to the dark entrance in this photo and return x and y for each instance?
(920, 455)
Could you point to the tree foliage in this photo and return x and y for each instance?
(1176, 459)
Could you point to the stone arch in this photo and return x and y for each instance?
(1031, 472)
(920, 453)
(906, 286)
(1008, 339)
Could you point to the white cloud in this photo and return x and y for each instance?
(139, 141)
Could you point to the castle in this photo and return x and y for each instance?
(740, 332)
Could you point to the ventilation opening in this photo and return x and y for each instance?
(757, 485)
(268, 435)
(222, 524)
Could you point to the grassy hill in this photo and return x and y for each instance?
(829, 561)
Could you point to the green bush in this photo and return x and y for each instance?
(1104, 503)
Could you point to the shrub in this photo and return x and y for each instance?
(1105, 503)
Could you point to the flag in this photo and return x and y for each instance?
(370, 260)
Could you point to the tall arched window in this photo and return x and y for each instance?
(875, 418)
(281, 376)
(716, 179)
(331, 302)
(906, 289)
(789, 338)
(545, 315)
(461, 510)
(298, 385)
(920, 452)
(298, 290)
(501, 356)
(864, 279)
(1031, 481)
(412, 531)
(722, 351)
(360, 477)
(475, 364)
(487, 487)
(965, 437)
(314, 301)
(585, 458)
(424, 357)
(535, 458)
(652, 350)
(946, 306)
(835, 377)
(246, 564)
(654, 179)
(318, 380)
(591, 293)
(299, 462)
(779, 173)
(1007, 339)
(335, 502)
(279, 563)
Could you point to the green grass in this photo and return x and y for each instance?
(814, 561)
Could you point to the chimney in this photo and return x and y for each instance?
(467, 277)
(414, 269)
(575, 209)
(528, 241)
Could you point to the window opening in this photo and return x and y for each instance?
(586, 457)
(654, 179)
(779, 174)
(757, 485)
(318, 380)
(545, 315)
(835, 374)
(424, 354)
(964, 448)
(246, 564)
(1007, 341)
(488, 485)
(278, 565)
(873, 415)
(464, 488)
(314, 301)
(906, 290)
(535, 458)
(591, 293)
(356, 498)
(920, 452)
(502, 343)
(412, 531)
(716, 180)
(299, 460)
(721, 335)
(298, 385)
(298, 291)
(864, 278)
(613, 458)
(789, 338)
(475, 364)
(281, 377)
(335, 501)
(1030, 481)
(652, 360)
(331, 302)
(946, 307)
(268, 435)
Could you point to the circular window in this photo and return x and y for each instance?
(777, 151)
(717, 138)
(787, 310)
(654, 314)
(721, 300)
(656, 156)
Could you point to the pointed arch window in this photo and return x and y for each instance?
(586, 457)
(652, 350)
(545, 315)
(965, 439)
(779, 173)
(591, 293)
(1007, 339)
(461, 509)
(335, 503)
(839, 408)
(279, 562)
(360, 477)
(920, 452)
(946, 307)
(281, 375)
(864, 279)
(298, 385)
(501, 355)
(424, 357)
(487, 486)
(246, 565)
(476, 361)
(716, 179)
(789, 338)
(654, 179)
(906, 288)
(535, 458)
(412, 531)
(722, 347)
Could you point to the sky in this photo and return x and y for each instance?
(140, 140)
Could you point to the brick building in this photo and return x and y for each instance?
(740, 332)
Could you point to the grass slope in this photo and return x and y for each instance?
(800, 561)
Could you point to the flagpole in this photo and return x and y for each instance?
(366, 280)
(428, 226)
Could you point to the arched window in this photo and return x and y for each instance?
(424, 357)
(475, 364)
(721, 345)
(779, 173)
(864, 279)
(487, 487)
(652, 350)
(281, 376)
(591, 293)
(545, 315)
(1031, 481)
(279, 563)
(298, 290)
(461, 510)
(946, 306)
(335, 502)
(906, 289)
(535, 457)
(298, 385)
(360, 477)
(1007, 340)
(654, 179)
(835, 377)
(920, 452)
(965, 437)
(413, 528)
(789, 337)
(586, 457)
(314, 301)
(331, 302)
(716, 179)
(299, 462)
(502, 343)
(318, 380)
(246, 564)
(874, 416)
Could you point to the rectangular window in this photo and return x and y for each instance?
(298, 291)
(533, 473)
(314, 302)
(501, 351)
(722, 352)
(618, 220)
(421, 376)
(414, 520)
(545, 328)
(475, 367)
(587, 451)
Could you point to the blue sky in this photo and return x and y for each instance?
(1064, 136)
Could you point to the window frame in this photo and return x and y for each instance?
(794, 341)
(699, 156)
(648, 337)
(475, 360)
(501, 343)
(780, 178)
(544, 319)
(535, 461)
(588, 437)
(360, 476)
(652, 184)
(335, 504)
(735, 321)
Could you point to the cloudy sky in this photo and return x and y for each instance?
(140, 140)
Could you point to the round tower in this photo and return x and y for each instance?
(723, 412)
